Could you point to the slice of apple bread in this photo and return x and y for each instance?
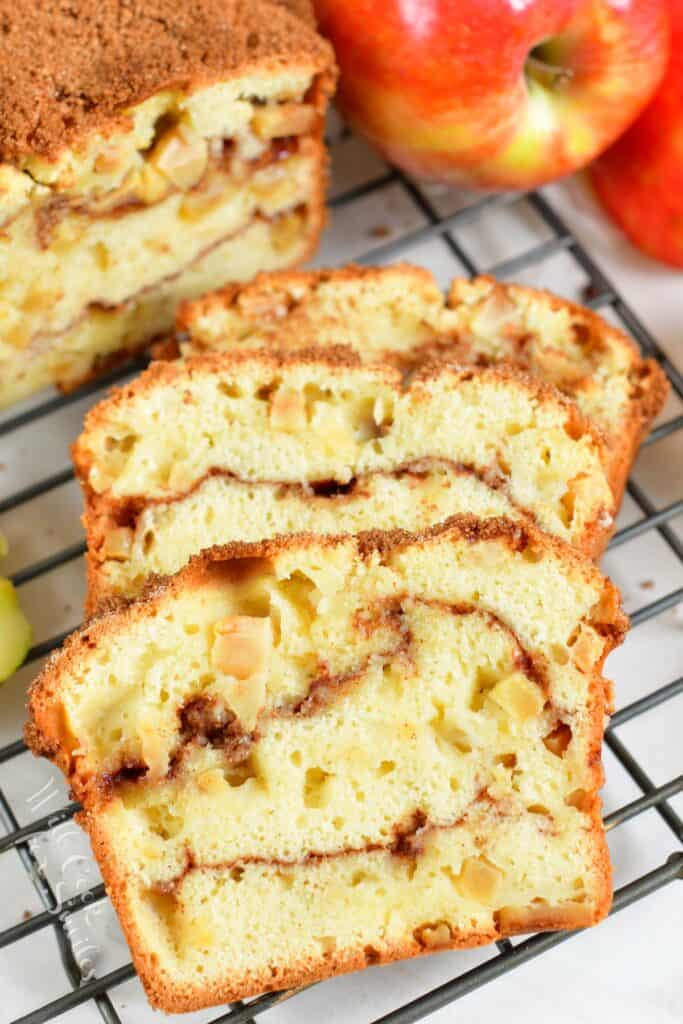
(398, 312)
(310, 754)
(250, 445)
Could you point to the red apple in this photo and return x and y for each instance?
(640, 179)
(495, 93)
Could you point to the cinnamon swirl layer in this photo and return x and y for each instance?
(399, 313)
(245, 446)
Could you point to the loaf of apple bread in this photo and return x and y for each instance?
(310, 754)
(149, 150)
(399, 313)
(244, 446)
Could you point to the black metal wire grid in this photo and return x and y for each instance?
(600, 295)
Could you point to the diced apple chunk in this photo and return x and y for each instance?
(434, 935)
(273, 195)
(154, 749)
(495, 313)
(241, 646)
(559, 367)
(203, 200)
(335, 433)
(285, 230)
(478, 880)
(211, 781)
(587, 649)
(518, 696)
(150, 184)
(118, 544)
(180, 478)
(541, 915)
(558, 739)
(288, 411)
(109, 160)
(198, 933)
(578, 495)
(283, 120)
(181, 157)
(581, 800)
(99, 479)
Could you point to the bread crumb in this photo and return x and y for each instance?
(647, 584)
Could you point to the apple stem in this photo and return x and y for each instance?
(548, 75)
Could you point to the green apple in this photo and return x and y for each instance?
(15, 631)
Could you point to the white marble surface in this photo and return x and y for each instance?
(628, 969)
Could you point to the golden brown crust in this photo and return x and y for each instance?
(650, 391)
(288, 281)
(650, 386)
(67, 70)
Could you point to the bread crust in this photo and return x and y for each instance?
(43, 736)
(308, 281)
(650, 385)
(111, 55)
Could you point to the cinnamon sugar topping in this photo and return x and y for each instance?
(69, 67)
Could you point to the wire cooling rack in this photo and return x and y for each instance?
(378, 215)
